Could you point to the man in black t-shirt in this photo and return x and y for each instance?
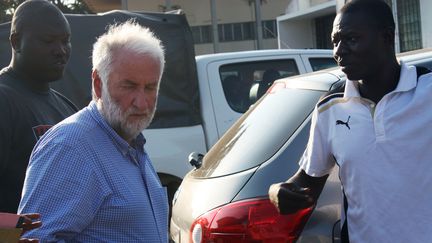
(40, 40)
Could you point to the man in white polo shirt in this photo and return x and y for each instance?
(376, 129)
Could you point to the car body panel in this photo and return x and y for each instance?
(196, 196)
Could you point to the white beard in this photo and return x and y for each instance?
(117, 119)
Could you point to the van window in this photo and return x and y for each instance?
(244, 83)
(319, 63)
(260, 133)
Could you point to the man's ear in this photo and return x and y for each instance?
(15, 41)
(97, 84)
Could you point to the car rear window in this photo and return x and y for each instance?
(260, 133)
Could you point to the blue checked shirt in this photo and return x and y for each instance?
(90, 185)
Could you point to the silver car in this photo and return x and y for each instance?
(225, 198)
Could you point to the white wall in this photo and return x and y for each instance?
(235, 46)
(296, 34)
(227, 11)
(296, 29)
(426, 18)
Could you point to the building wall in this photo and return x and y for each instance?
(296, 28)
(235, 46)
(228, 11)
(303, 31)
(315, 2)
(296, 32)
(426, 22)
(301, 5)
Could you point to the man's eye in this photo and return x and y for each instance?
(48, 41)
(127, 87)
(352, 39)
(151, 88)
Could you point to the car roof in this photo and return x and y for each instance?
(416, 54)
(319, 80)
(262, 53)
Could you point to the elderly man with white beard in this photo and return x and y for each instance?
(90, 176)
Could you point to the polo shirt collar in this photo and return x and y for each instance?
(121, 144)
(408, 78)
(407, 81)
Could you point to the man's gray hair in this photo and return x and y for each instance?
(126, 36)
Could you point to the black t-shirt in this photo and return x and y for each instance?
(25, 116)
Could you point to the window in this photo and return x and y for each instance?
(262, 133)
(206, 34)
(319, 63)
(269, 29)
(196, 34)
(248, 31)
(238, 33)
(225, 32)
(323, 27)
(233, 32)
(246, 82)
(409, 25)
(202, 34)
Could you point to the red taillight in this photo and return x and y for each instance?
(249, 221)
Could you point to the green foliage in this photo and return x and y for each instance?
(7, 7)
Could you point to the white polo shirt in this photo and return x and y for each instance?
(384, 154)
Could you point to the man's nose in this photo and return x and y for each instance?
(141, 100)
(339, 50)
(61, 48)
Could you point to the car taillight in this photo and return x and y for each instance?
(255, 220)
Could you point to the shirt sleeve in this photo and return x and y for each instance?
(64, 187)
(317, 159)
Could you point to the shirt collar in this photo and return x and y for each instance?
(407, 81)
(122, 145)
(408, 78)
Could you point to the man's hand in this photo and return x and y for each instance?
(299, 192)
(31, 221)
(289, 197)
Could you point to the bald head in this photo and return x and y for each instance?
(40, 38)
(33, 10)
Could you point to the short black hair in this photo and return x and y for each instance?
(30, 11)
(378, 11)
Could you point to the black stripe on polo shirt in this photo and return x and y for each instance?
(336, 91)
(327, 98)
